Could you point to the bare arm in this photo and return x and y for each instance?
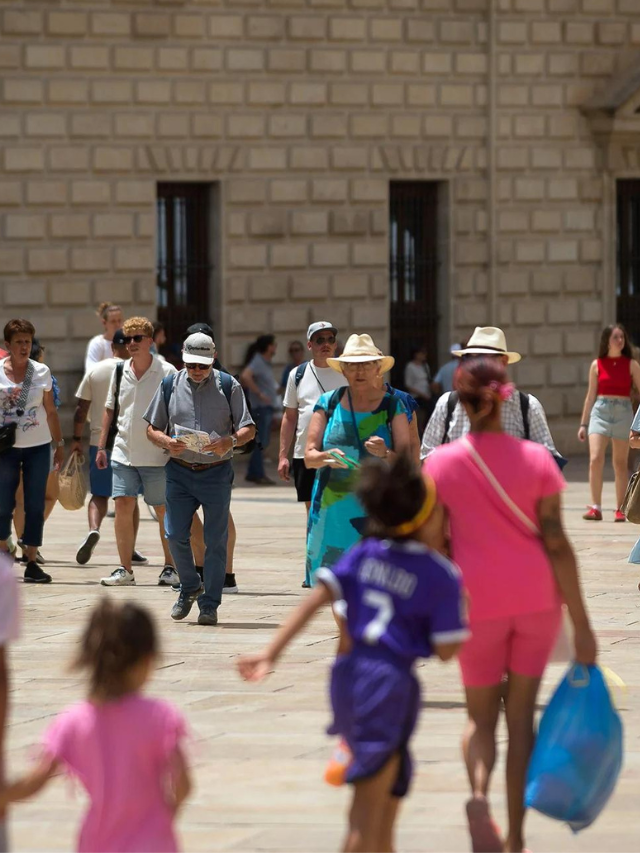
(256, 667)
(589, 400)
(287, 432)
(565, 569)
(79, 420)
(107, 418)
(54, 427)
(181, 777)
(31, 783)
(247, 381)
(446, 651)
(313, 456)
(164, 441)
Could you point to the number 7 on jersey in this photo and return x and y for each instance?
(382, 603)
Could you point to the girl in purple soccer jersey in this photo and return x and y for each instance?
(403, 601)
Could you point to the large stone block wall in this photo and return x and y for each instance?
(304, 110)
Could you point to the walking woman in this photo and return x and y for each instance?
(501, 496)
(29, 420)
(257, 377)
(99, 347)
(349, 425)
(607, 415)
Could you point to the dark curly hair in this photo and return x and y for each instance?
(116, 638)
(392, 494)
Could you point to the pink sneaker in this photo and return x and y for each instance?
(592, 514)
(619, 515)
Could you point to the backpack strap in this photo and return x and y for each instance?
(113, 429)
(226, 383)
(334, 399)
(300, 369)
(452, 402)
(524, 408)
(167, 388)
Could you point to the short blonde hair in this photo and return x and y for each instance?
(134, 324)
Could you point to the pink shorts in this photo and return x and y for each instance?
(519, 644)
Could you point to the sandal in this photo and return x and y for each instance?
(485, 834)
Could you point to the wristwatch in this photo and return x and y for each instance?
(60, 443)
(234, 441)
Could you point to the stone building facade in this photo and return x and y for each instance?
(301, 115)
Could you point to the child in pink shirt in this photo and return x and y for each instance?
(124, 748)
(9, 630)
(502, 500)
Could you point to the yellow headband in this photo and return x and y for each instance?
(415, 523)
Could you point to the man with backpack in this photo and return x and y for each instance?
(199, 415)
(304, 386)
(522, 414)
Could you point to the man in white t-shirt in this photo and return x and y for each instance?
(9, 630)
(91, 399)
(305, 385)
(137, 465)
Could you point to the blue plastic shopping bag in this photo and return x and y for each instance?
(578, 753)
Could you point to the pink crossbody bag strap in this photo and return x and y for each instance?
(515, 509)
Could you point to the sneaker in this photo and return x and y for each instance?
(40, 560)
(336, 770)
(111, 513)
(11, 546)
(230, 585)
(592, 514)
(183, 605)
(139, 559)
(619, 516)
(86, 549)
(119, 577)
(168, 577)
(34, 574)
(208, 616)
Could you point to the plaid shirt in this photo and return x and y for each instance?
(512, 423)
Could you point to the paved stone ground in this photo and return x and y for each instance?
(259, 750)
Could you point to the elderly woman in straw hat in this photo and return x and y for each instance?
(349, 425)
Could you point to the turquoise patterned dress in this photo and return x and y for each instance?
(337, 518)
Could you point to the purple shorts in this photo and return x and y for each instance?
(375, 709)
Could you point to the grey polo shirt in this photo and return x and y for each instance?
(202, 406)
(265, 380)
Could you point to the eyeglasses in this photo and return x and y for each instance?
(136, 338)
(197, 366)
(331, 339)
(362, 365)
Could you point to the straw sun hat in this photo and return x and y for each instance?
(488, 340)
(360, 348)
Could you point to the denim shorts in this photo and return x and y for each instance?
(100, 479)
(612, 417)
(129, 482)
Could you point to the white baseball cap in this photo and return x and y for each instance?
(318, 327)
(198, 349)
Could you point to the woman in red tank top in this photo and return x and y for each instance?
(607, 415)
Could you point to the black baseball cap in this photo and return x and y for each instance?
(119, 338)
(199, 329)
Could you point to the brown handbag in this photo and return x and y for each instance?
(631, 503)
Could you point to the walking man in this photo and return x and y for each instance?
(304, 386)
(136, 465)
(203, 399)
(91, 401)
(522, 414)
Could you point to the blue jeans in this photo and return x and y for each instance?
(186, 492)
(35, 464)
(262, 415)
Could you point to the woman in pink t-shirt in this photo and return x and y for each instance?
(502, 498)
(124, 748)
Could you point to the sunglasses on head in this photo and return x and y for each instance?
(197, 366)
(330, 339)
(136, 338)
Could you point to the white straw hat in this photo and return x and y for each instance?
(360, 348)
(488, 340)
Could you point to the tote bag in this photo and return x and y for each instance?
(73, 485)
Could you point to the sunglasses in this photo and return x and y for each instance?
(135, 338)
(331, 339)
(197, 366)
